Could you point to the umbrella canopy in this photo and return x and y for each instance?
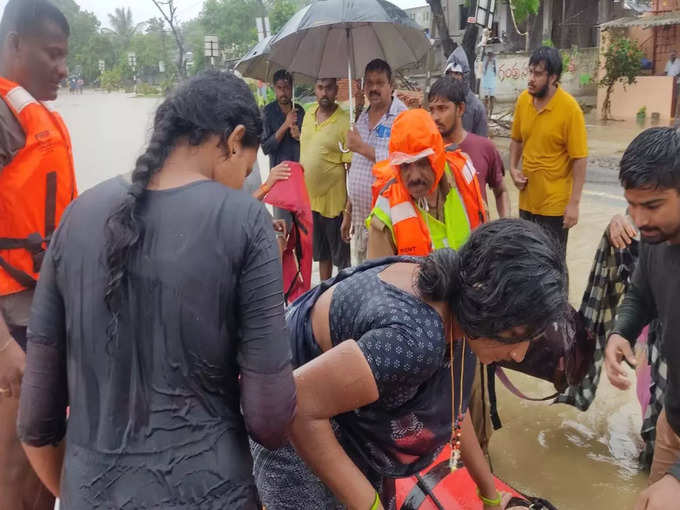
(320, 38)
(257, 65)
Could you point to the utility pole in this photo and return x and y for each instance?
(132, 61)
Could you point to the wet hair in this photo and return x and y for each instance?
(23, 17)
(550, 58)
(652, 160)
(449, 88)
(210, 103)
(282, 74)
(510, 273)
(380, 66)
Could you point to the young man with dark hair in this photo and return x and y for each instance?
(549, 136)
(650, 175)
(447, 107)
(323, 131)
(475, 118)
(37, 182)
(369, 142)
(281, 125)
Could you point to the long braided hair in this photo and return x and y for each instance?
(211, 103)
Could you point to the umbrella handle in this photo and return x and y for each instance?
(349, 80)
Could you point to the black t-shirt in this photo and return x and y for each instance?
(155, 413)
(654, 293)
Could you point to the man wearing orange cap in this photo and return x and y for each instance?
(427, 198)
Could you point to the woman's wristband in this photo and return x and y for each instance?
(490, 502)
(265, 188)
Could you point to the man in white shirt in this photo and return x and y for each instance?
(673, 65)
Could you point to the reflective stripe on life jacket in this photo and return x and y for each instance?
(468, 187)
(35, 188)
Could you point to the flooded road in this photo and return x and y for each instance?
(579, 461)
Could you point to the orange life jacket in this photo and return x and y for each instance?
(468, 186)
(411, 233)
(35, 188)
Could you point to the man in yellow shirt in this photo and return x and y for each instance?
(549, 134)
(324, 163)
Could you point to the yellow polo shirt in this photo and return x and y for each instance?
(323, 161)
(552, 139)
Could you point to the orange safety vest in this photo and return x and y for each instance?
(410, 230)
(35, 188)
(468, 186)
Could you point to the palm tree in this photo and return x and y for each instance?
(123, 27)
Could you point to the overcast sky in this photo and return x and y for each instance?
(187, 9)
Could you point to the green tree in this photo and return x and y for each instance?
(621, 64)
(194, 31)
(87, 44)
(280, 11)
(523, 8)
(123, 28)
(233, 21)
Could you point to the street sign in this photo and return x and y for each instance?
(161, 66)
(211, 46)
(132, 59)
(102, 66)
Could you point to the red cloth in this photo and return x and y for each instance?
(292, 196)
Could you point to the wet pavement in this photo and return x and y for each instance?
(579, 461)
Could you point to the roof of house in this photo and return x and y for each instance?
(646, 20)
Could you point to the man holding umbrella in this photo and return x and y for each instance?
(369, 142)
(281, 124)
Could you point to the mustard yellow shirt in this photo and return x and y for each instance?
(323, 161)
(553, 138)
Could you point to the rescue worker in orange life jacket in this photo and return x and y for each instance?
(425, 198)
(37, 182)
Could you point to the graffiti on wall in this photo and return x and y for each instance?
(513, 70)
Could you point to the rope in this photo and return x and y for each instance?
(514, 21)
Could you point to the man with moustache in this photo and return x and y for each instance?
(37, 182)
(650, 175)
(369, 143)
(447, 106)
(549, 136)
(323, 127)
(429, 199)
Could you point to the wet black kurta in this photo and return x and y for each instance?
(155, 418)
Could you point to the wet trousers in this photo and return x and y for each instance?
(20, 488)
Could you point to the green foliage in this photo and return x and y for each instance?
(233, 22)
(621, 64)
(112, 80)
(280, 11)
(123, 26)
(621, 61)
(87, 45)
(146, 89)
(524, 8)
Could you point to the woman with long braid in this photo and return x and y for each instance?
(157, 294)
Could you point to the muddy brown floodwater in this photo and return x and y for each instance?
(579, 461)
